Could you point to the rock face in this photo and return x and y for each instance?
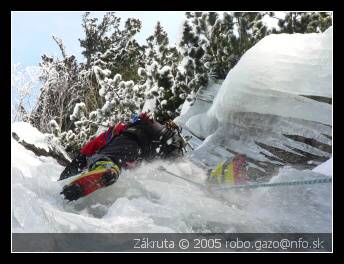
(275, 106)
(38, 143)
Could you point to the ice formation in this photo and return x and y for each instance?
(274, 106)
(272, 76)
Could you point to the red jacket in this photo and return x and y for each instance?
(100, 141)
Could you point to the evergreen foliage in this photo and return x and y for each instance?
(304, 22)
(120, 77)
(158, 76)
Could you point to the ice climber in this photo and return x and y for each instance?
(121, 146)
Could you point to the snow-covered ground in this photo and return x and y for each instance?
(148, 200)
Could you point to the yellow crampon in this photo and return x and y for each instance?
(226, 172)
(101, 166)
(102, 174)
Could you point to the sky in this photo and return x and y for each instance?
(31, 32)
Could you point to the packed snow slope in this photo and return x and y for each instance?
(148, 200)
(275, 106)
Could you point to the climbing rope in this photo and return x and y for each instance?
(177, 176)
(291, 183)
(255, 185)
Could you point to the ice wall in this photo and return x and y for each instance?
(274, 106)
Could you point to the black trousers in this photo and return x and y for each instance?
(120, 150)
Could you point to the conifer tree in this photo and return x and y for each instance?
(194, 73)
(122, 99)
(98, 36)
(157, 78)
(212, 44)
(107, 46)
(304, 22)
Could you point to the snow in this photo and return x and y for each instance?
(141, 72)
(272, 22)
(325, 168)
(185, 107)
(202, 125)
(148, 200)
(194, 114)
(79, 107)
(292, 208)
(150, 105)
(30, 135)
(272, 75)
(164, 70)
